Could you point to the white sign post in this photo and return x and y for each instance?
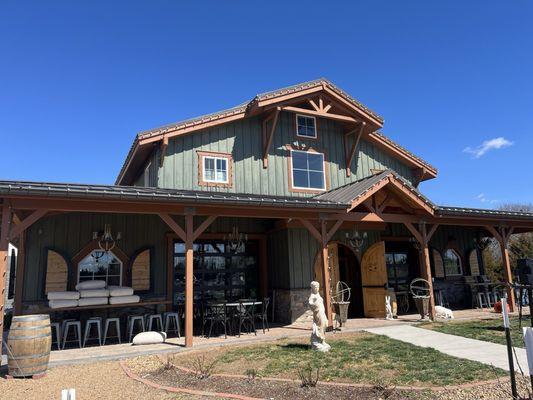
(507, 327)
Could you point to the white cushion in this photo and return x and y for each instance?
(149, 338)
(124, 299)
(90, 285)
(62, 303)
(120, 291)
(92, 301)
(94, 293)
(63, 295)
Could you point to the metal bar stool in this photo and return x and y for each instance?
(132, 320)
(169, 317)
(57, 327)
(77, 331)
(150, 319)
(108, 322)
(93, 321)
(482, 300)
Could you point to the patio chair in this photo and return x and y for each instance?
(263, 316)
(169, 318)
(245, 314)
(151, 318)
(132, 320)
(56, 327)
(108, 323)
(76, 325)
(214, 315)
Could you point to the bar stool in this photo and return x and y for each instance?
(93, 321)
(77, 331)
(169, 317)
(482, 300)
(108, 322)
(132, 320)
(56, 326)
(150, 319)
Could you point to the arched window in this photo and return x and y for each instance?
(452, 263)
(99, 265)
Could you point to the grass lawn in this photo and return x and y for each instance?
(359, 358)
(490, 329)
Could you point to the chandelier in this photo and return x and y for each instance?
(356, 240)
(106, 241)
(235, 241)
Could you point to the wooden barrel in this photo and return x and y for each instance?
(29, 342)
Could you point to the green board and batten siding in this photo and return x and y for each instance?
(243, 140)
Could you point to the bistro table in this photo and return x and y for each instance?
(234, 308)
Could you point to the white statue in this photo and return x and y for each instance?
(320, 320)
(388, 308)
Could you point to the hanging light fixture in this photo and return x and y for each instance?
(481, 243)
(415, 243)
(235, 241)
(106, 241)
(356, 240)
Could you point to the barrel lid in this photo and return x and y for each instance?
(31, 317)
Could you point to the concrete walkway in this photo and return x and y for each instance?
(457, 346)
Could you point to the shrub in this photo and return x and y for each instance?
(309, 376)
(202, 367)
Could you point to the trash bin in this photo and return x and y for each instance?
(422, 305)
(341, 311)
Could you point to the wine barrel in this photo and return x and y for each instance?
(29, 342)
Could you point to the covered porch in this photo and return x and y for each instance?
(185, 234)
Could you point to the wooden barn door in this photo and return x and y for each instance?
(374, 279)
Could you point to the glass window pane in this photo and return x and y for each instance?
(311, 131)
(300, 179)
(316, 180)
(209, 163)
(389, 258)
(179, 247)
(299, 160)
(315, 162)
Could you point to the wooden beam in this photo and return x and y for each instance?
(17, 229)
(326, 283)
(383, 204)
(269, 136)
(203, 226)
(418, 236)
(313, 104)
(322, 114)
(189, 279)
(311, 228)
(333, 230)
(351, 153)
(164, 145)
(431, 232)
(172, 224)
(19, 274)
(327, 108)
(4, 229)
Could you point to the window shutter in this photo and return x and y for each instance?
(140, 271)
(56, 272)
(439, 267)
(474, 263)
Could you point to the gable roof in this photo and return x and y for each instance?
(254, 107)
(356, 192)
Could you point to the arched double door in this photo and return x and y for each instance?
(367, 279)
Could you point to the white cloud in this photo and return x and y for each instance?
(481, 197)
(487, 145)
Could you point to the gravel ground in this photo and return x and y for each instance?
(102, 380)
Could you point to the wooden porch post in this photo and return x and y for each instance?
(188, 236)
(503, 239)
(4, 241)
(189, 311)
(423, 237)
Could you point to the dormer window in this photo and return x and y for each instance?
(308, 172)
(305, 126)
(214, 169)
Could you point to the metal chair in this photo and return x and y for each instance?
(132, 320)
(96, 322)
(246, 316)
(263, 316)
(108, 322)
(77, 331)
(150, 319)
(482, 300)
(56, 326)
(169, 317)
(216, 314)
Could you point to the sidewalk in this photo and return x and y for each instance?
(457, 346)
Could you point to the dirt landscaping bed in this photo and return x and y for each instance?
(361, 366)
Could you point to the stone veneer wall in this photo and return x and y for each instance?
(291, 305)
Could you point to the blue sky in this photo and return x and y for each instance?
(79, 79)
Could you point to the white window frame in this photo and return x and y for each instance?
(460, 263)
(107, 272)
(215, 158)
(298, 169)
(314, 123)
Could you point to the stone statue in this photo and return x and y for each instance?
(388, 308)
(320, 320)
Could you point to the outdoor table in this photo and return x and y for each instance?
(233, 306)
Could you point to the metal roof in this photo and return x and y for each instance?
(83, 191)
(447, 211)
(348, 193)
